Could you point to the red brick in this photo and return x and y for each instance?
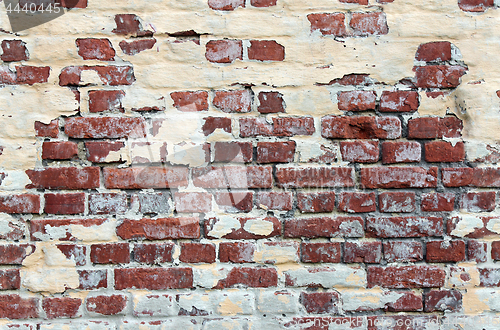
(190, 101)
(39, 226)
(193, 202)
(65, 203)
(157, 229)
(408, 302)
(275, 152)
(100, 101)
(234, 152)
(153, 278)
(328, 24)
(235, 201)
(64, 307)
(107, 203)
(273, 200)
(64, 178)
(321, 252)
(145, 177)
(365, 24)
(235, 101)
(399, 101)
(403, 251)
(398, 177)
(495, 249)
(263, 3)
(59, 150)
(236, 252)
(241, 232)
(20, 204)
(401, 152)
(360, 2)
(434, 128)
(13, 254)
(153, 253)
(47, 130)
(213, 123)
(7, 76)
(438, 76)
(445, 251)
(98, 151)
(360, 151)
(477, 231)
(74, 252)
(70, 4)
(310, 177)
(360, 127)
(266, 50)
(397, 202)
(366, 252)
(14, 50)
(291, 126)
(357, 202)
(489, 277)
(445, 300)
(471, 177)
(439, 51)
(105, 127)
(249, 277)
(10, 279)
(397, 227)
(406, 277)
(320, 302)
(31, 75)
(136, 46)
(478, 201)
(114, 253)
(477, 251)
(224, 51)
(93, 279)
(197, 252)
(324, 227)
(438, 202)
(251, 127)
(271, 102)
(13, 306)
(357, 100)
(233, 177)
(475, 5)
(442, 151)
(106, 305)
(226, 5)
(316, 202)
(109, 75)
(95, 49)
(130, 25)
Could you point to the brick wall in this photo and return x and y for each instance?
(253, 164)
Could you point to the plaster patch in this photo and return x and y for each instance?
(259, 227)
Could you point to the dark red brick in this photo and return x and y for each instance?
(39, 226)
(14, 254)
(398, 177)
(190, 101)
(357, 100)
(153, 278)
(321, 252)
(316, 202)
(489, 277)
(233, 152)
(271, 102)
(310, 177)
(478, 201)
(357, 202)
(328, 24)
(291, 126)
(263, 3)
(10, 279)
(445, 300)
(7, 76)
(107, 203)
(153, 253)
(70, 178)
(397, 202)
(113, 253)
(235, 201)
(399, 101)
(74, 252)
(324, 227)
(105, 127)
(129, 25)
(109, 75)
(359, 2)
(226, 5)
(442, 151)
(20, 204)
(438, 76)
(439, 51)
(362, 252)
(403, 251)
(488, 177)
(477, 251)
(197, 252)
(406, 277)
(98, 151)
(158, 229)
(320, 302)
(213, 123)
(100, 101)
(438, 202)
(14, 50)
(233, 177)
(266, 50)
(59, 150)
(106, 305)
(136, 46)
(31, 75)
(64, 307)
(434, 128)
(65, 203)
(274, 200)
(360, 127)
(365, 24)
(445, 251)
(275, 152)
(95, 49)
(236, 252)
(241, 232)
(401, 152)
(224, 51)
(93, 279)
(408, 302)
(475, 5)
(145, 177)
(249, 277)
(14, 307)
(359, 151)
(47, 130)
(396, 227)
(70, 4)
(233, 101)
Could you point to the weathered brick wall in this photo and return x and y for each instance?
(260, 164)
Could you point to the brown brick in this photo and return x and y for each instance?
(398, 177)
(445, 251)
(324, 227)
(406, 277)
(197, 252)
(213, 123)
(397, 227)
(157, 229)
(233, 152)
(113, 253)
(321, 252)
(271, 102)
(401, 152)
(14, 50)
(475, 5)
(70, 178)
(360, 127)
(13, 306)
(65, 203)
(316, 202)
